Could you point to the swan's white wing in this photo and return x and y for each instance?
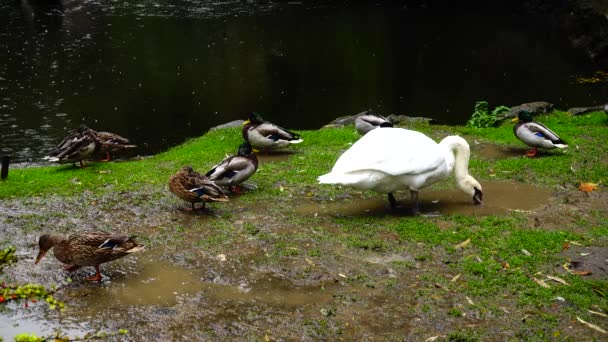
(393, 151)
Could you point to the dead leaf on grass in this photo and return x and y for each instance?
(463, 244)
(592, 326)
(541, 282)
(469, 300)
(584, 272)
(434, 338)
(455, 278)
(588, 187)
(505, 265)
(526, 252)
(558, 279)
(601, 314)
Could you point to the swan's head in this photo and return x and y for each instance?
(471, 187)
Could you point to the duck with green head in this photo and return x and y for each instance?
(234, 170)
(265, 135)
(535, 134)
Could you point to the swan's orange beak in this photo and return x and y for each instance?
(40, 255)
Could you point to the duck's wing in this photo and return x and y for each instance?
(205, 188)
(274, 132)
(111, 138)
(374, 120)
(78, 148)
(541, 131)
(236, 169)
(97, 247)
(393, 151)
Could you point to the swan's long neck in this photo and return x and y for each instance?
(461, 151)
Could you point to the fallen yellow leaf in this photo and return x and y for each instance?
(463, 244)
(558, 279)
(598, 313)
(592, 326)
(588, 187)
(541, 282)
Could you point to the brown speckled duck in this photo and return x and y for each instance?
(87, 249)
(76, 147)
(111, 143)
(194, 187)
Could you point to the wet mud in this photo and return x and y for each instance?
(499, 198)
(252, 271)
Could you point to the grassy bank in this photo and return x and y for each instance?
(475, 275)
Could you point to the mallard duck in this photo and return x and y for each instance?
(87, 249)
(535, 134)
(193, 187)
(235, 170)
(76, 147)
(111, 143)
(389, 159)
(367, 122)
(267, 136)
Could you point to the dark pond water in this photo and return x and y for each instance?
(162, 71)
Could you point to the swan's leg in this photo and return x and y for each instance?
(392, 200)
(415, 205)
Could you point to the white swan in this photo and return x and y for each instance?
(389, 159)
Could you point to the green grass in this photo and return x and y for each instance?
(493, 267)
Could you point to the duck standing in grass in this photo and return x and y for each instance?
(367, 122)
(389, 159)
(267, 136)
(76, 147)
(87, 249)
(535, 134)
(235, 170)
(193, 187)
(111, 143)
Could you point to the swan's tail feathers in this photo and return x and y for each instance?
(329, 178)
(560, 145)
(295, 141)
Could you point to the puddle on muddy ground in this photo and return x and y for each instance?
(589, 262)
(494, 151)
(499, 198)
(274, 157)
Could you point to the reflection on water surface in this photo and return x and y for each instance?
(165, 71)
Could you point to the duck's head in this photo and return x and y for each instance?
(245, 149)
(254, 118)
(471, 187)
(523, 116)
(46, 242)
(187, 169)
(83, 129)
